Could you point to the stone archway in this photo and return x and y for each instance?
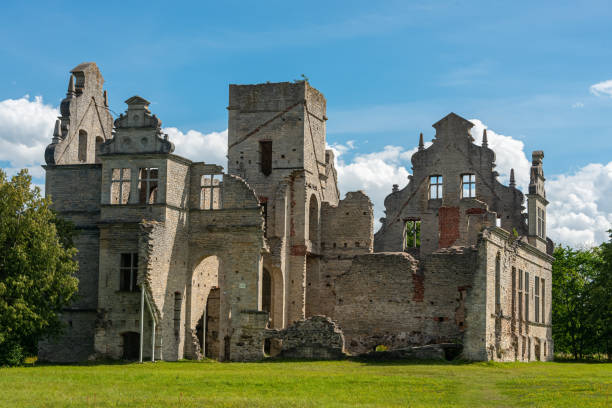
(203, 296)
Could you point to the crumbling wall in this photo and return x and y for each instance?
(391, 299)
(346, 231)
(315, 338)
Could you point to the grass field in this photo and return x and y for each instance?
(308, 384)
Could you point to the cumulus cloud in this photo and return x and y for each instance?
(602, 88)
(374, 173)
(26, 128)
(197, 146)
(579, 214)
(580, 210)
(509, 153)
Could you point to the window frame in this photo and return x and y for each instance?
(130, 271)
(148, 181)
(121, 182)
(438, 185)
(214, 190)
(471, 183)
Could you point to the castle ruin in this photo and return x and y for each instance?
(179, 259)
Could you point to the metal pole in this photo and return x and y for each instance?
(142, 295)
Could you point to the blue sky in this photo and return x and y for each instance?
(388, 69)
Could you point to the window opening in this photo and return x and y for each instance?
(526, 296)
(543, 301)
(120, 186)
(435, 187)
(497, 284)
(413, 234)
(210, 197)
(468, 186)
(514, 290)
(265, 159)
(99, 142)
(540, 223)
(147, 185)
(536, 302)
(128, 271)
(177, 313)
(520, 294)
(82, 146)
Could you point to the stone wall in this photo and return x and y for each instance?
(393, 300)
(316, 338)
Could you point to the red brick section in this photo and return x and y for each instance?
(448, 218)
(475, 211)
(419, 287)
(298, 250)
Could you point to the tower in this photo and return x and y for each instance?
(85, 122)
(536, 207)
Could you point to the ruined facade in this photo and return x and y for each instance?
(178, 259)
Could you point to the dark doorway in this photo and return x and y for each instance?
(212, 324)
(131, 345)
(266, 292)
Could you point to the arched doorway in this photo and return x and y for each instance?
(202, 326)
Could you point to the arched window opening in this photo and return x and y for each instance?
(99, 141)
(82, 154)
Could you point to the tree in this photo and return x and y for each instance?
(573, 272)
(601, 294)
(37, 268)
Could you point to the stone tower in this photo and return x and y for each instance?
(536, 207)
(85, 122)
(276, 142)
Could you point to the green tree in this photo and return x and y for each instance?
(601, 295)
(37, 268)
(573, 272)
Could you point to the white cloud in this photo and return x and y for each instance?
(579, 214)
(602, 88)
(578, 105)
(580, 210)
(26, 128)
(210, 147)
(508, 154)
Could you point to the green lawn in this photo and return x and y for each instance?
(308, 384)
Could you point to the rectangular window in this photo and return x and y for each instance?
(520, 294)
(210, 191)
(120, 186)
(536, 302)
(526, 296)
(413, 234)
(513, 292)
(265, 156)
(435, 187)
(540, 223)
(543, 302)
(128, 271)
(147, 185)
(468, 186)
